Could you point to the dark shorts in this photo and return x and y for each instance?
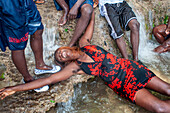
(119, 16)
(71, 4)
(17, 22)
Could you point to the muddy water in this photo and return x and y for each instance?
(72, 95)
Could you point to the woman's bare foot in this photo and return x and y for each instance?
(162, 48)
(44, 67)
(39, 1)
(63, 19)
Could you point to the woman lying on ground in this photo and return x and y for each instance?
(126, 77)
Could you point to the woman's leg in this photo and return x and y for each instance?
(159, 85)
(148, 101)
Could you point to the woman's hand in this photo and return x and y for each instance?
(4, 92)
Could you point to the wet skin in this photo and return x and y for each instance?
(160, 32)
(143, 97)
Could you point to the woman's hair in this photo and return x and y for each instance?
(63, 64)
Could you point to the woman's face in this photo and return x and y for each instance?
(63, 55)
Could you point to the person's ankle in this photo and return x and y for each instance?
(66, 10)
(26, 80)
(43, 67)
(135, 59)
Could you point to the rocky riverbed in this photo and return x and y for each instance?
(54, 36)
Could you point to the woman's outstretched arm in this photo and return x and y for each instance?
(86, 38)
(59, 76)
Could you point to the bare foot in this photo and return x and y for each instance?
(162, 48)
(44, 67)
(63, 19)
(39, 1)
(28, 79)
(96, 2)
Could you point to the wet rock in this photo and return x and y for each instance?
(32, 102)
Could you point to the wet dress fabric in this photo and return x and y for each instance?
(123, 76)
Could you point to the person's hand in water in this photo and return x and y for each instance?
(4, 92)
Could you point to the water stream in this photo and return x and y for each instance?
(92, 96)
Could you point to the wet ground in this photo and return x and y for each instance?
(89, 97)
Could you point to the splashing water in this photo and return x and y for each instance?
(158, 63)
(49, 46)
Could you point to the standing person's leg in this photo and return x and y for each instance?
(35, 28)
(145, 99)
(129, 22)
(122, 47)
(86, 11)
(134, 36)
(16, 40)
(116, 31)
(65, 7)
(36, 43)
(18, 58)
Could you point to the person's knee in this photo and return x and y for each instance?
(37, 34)
(155, 30)
(135, 25)
(86, 11)
(118, 40)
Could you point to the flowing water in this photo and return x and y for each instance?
(94, 96)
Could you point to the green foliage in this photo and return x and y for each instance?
(147, 27)
(66, 30)
(2, 76)
(166, 19)
(52, 101)
(153, 24)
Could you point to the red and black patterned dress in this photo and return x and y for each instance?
(124, 76)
